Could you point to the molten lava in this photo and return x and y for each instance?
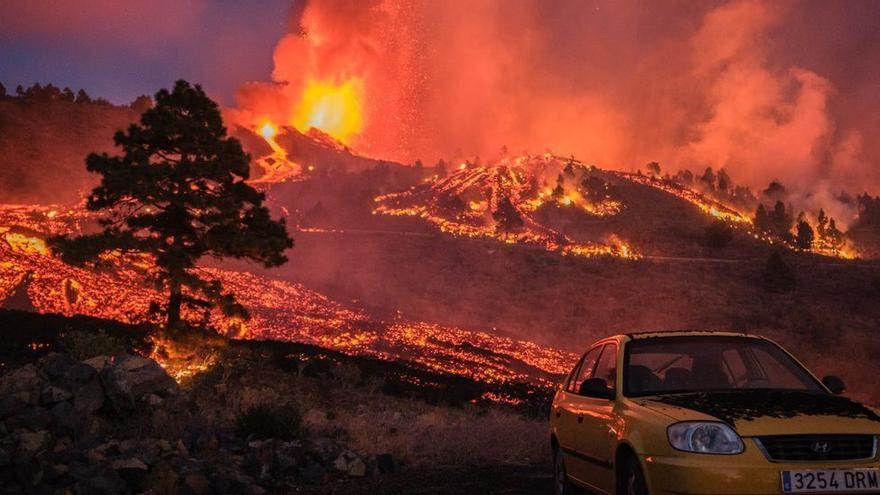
(281, 311)
(335, 109)
(503, 201)
(277, 167)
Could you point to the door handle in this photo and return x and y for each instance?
(580, 418)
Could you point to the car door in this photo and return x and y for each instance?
(567, 426)
(595, 425)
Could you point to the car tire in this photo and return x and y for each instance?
(561, 484)
(633, 479)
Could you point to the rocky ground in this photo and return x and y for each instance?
(261, 419)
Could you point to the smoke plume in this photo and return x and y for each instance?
(759, 88)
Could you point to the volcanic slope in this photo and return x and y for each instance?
(408, 248)
(282, 311)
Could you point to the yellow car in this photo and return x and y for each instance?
(707, 413)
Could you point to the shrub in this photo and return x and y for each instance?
(88, 344)
(265, 421)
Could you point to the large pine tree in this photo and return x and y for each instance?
(178, 193)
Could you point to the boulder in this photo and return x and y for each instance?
(24, 384)
(54, 366)
(32, 442)
(131, 378)
(52, 395)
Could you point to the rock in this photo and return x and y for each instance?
(51, 395)
(196, 482)
(133, 377)
(24, 384)
(31, 443)
(99, 363)
(9, 405)
(341, 464)
(312, 473)
(32, 418)
(100, 481)
(83, 381)
(133, 471)
(54, 366)
(385, 463)
(357, 468)
(88, 398)
(64, 418)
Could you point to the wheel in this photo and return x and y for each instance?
(633, 478)
(561, 485)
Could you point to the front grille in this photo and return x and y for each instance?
(819, 447)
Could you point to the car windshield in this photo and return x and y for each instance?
(668, 365)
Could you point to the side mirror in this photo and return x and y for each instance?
(596, 387)
(834, 384)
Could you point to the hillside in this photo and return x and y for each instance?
(43, 145)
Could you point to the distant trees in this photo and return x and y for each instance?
(176, 194)
(50, 92)
(2, 91)
(441, 168)
(653, 168)
(776, 223)
(82, 97)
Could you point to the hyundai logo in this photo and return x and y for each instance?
(821, 447)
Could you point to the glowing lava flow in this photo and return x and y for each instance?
(277, 167)
(335, 109)
(281, 311)
(500, 202)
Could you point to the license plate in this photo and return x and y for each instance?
(831, 481)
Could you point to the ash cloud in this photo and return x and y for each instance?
(767, 90)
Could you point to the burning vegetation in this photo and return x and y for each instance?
(505, 202)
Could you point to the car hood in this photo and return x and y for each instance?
(760, 412)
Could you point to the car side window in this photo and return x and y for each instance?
(607, 367)
(586, 369)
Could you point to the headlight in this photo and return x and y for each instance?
(704, 438)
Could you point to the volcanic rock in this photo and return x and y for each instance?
(24, 384)
(131, 378)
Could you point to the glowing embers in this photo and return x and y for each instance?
(503, 202)
(335, 109)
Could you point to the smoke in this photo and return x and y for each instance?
(616, 83)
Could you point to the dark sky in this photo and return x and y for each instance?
(121, 49)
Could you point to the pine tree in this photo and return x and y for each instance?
(82, 97)
(178, 193)
(762, 220)
(804, 237)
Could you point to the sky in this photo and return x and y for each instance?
(121, 49)
(767, 89)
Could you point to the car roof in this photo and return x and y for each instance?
(688, 333)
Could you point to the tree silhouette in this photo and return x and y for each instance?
(804, 237)
(141, 104)
(82, 97)
(178, 194)
(507, 217)
(2, 91)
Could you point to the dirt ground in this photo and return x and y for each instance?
(483, 480)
